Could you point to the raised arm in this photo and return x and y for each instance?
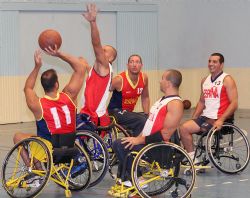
(145, 96)
(78, 65)
(102, 64)
(31, 98)
(200, 105)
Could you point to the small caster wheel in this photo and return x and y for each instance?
(187, 172)
(174, 194)
(187, 186)
(238, 166)
(68, 193)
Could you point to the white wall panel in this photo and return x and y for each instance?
(9, 43)
(137, 33)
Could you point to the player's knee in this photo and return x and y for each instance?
(17, 138)
(184, 129)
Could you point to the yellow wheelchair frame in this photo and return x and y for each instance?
(154, 173)
(40, 154)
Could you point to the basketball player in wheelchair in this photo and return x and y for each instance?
(214, 118)
(149, 164)
(52, 151)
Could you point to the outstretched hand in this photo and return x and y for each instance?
(51, 51)
(91, 13)
(38, 58)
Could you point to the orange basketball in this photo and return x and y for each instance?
(49, 38)
(186, 104)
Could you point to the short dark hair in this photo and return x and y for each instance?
(220, 55)
(134, 55)
(175, 77)
(49, 79)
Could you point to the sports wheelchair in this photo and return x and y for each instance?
(33, 161)
(97, 152)
(227, 149)
(156, 170)
(99, 149)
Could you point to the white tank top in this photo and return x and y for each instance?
(215, 95)
(157, 115)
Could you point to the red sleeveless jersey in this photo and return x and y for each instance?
(96, 94)
(131, 92)
(59, 114)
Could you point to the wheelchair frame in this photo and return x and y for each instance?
(156, 173)
(103, 146)
(215, 144)
(44, 157)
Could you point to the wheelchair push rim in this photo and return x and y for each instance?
(16, 182)
(160, 179)
(225, 149)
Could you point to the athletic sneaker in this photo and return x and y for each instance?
(33, 180)
(141, 180)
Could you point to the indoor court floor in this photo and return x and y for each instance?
(212, 183)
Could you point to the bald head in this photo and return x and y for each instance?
(110, 52)
(174, 76)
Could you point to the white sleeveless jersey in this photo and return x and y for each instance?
(157, 115)
(215, 95)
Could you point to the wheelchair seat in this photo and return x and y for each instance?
(63, 147)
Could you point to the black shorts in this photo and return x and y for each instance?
(200, 120)
(204, 123)
(132, 121)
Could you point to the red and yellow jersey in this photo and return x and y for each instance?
(157, 115)
(58, 113)
(126, 98)
(215, 96)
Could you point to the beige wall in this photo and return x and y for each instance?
(14, 109)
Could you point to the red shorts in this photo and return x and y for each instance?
(102, 121)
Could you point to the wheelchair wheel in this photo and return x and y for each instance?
(97, 152)
(27, 168)
(155, 171)
(108, 139)
(228, 149)
(82, 179)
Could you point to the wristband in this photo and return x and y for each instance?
(156, 137)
